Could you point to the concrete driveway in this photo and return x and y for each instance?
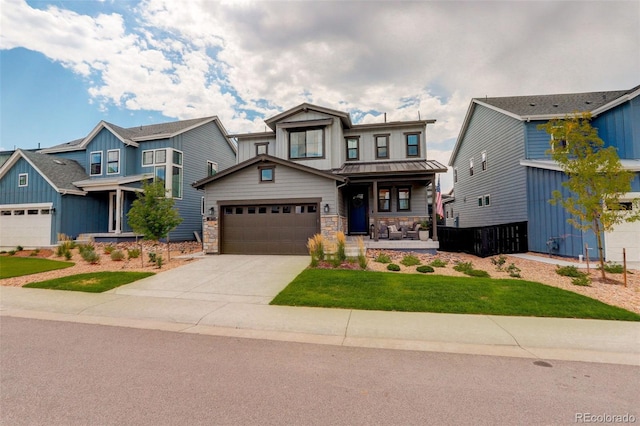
(224, 278)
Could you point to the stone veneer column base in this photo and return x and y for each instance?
(210, 239)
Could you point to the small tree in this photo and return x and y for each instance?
(596, 178)
(152, 213)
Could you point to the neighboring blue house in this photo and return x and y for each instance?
(502, 173)
(87, 186)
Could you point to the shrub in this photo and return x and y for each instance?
(438, 263)
(463, 267)
(613, 268)
(133, 253)
(117, 255)
(63, 248)
(86, 247)
(159, 262)
(156, 259)
(362, 258)
(410, 260)
(383, 258)
(19, 248)
(569, 271)
(108, 249)
(583, 280)
(341, 242)
(499, 261)
(11, 252)
(478, 273)
(316, 245)
(90, 256)
(424, 269)
(513, 271)
(67, 255)
(393, 267)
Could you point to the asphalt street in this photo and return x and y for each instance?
(55, 372)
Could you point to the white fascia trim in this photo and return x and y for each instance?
(26, 206)
(83, 145)
(631, 165)
(500, 110)
(541, 164)
(615, 102)
(101, 184)
(14, 158)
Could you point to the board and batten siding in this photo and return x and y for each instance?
(247, 147)
(289, 183)
(548, 222)
(199, 145)
(502, 137)
(620, 127)
(83, 214)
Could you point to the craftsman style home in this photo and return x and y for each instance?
(504, 174)
(87, 186)
(313, 172)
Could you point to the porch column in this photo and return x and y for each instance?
(434, 214)
(118, 229)
(375, 210)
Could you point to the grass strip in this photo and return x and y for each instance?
(11, 266)
(387, 291)
(94, 282)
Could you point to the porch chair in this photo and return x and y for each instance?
(383, 231)
(394, 233)
(413, 231)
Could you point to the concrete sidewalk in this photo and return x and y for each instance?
(229, 295)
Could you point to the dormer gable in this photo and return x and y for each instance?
(290, 114)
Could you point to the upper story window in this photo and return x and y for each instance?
(384, 199)
(267, 174)
(382, 146)
(471, 167)
(262, 148)
(23, 179)
(484, 160)
(306, 143)
(95, 163)
(455, 175)
(558, 143)
(212, 168)
(404, 198)
(163, 161)
(353, 148)
(113, 161)
(413, 144)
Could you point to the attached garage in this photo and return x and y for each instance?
(26, 225)
(279, 228)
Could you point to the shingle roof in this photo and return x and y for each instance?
(151, 130)
(59, 171)
(555, 104)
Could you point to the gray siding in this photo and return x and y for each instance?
(502, 137)
(397, 142)
(247, 147)
(289, 183)
(419, 200)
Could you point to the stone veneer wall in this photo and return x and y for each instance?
(331, 224)
(210, 237)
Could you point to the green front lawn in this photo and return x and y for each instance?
(333, 288)
(95, 282)
(11, 266)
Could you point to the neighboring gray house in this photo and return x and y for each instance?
(87, 186)
(502, 173)
(313, 172)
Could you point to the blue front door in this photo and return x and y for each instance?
(358, 205)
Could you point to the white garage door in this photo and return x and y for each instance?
(625, 235)
(26, 225)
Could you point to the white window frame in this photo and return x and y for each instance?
(487, 200)
(26, 179)
(117, 172)
(168, 166)
(152, 158)
(481, 201)
(91, 163)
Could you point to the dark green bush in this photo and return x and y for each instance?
(613, 268)
(425, 269)
(393, 267)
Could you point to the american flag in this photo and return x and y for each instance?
(439, 209)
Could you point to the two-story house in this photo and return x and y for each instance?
(317, 172)
(504, 174)
(87, 186)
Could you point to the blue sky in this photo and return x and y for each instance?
(66, 65)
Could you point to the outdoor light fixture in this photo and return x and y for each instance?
(326, 208)
(212, 210)
(53, 210)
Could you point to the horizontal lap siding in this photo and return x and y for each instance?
(538, 141)
(502, 137)
(289, 183)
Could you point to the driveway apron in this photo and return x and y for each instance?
(222, 278)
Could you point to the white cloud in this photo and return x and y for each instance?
(245, 61)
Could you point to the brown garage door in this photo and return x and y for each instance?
(269, 229)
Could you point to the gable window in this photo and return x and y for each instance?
(384, 199)
(262, 148)
(23, 179)
(471, 167)
(212, 168)
(95, 161)
(382, 146)
(413, 144)
(307, 143)
(267, 174)
(404, 198)
(484, 160)
(113, 161)
(479, 201)
(353, 148)
(487, 200)
(455, 175)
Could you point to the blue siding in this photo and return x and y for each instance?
(83, 214)
(77, 156)
(550, 222)
(104, 141)
(537, 141)
(618, 126)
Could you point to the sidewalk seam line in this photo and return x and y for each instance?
(346, 329)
